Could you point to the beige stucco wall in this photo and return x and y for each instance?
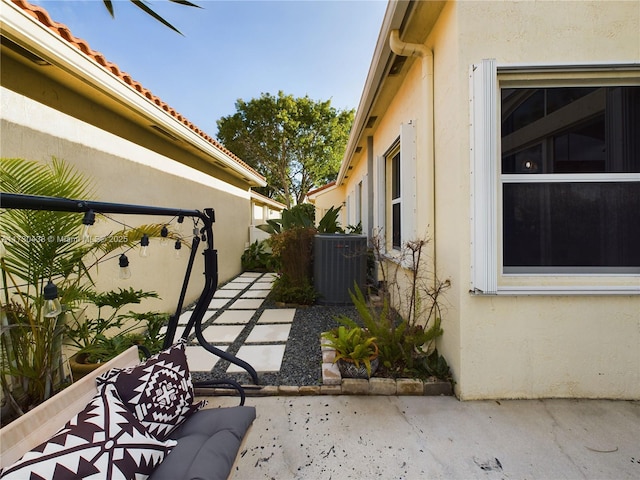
(124, 172)
(515, 346)
(527, 346)
(332, 197)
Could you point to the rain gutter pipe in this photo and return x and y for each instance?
(405, 49)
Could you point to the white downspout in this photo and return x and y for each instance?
(426, 55)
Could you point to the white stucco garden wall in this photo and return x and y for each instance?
(124, 172)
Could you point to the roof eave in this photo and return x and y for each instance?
(27, 32)
(393, 18)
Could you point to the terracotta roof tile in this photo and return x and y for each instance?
(319, 189)
(63, 31)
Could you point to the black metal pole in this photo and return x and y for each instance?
(36, 202)
(55, 204)
(173, 320)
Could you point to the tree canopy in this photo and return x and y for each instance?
(295, 143)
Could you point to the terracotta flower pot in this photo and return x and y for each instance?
(80, 367)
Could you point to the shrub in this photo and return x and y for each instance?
(257, 258)
(294, 250)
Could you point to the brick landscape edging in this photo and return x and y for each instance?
(334, 384)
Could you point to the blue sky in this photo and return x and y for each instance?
(233, 49)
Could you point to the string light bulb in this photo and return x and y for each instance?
(125, 271)
(179, 224)
(88, 220)
(144, 246)
(51, 308)
(164, 234)
(178, 247)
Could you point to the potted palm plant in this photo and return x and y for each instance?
(100, 339)
(41, 264)
(356, 351)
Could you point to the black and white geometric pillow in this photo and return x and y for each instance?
(104, 441)
(159, 391)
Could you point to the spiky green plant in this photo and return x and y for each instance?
(402, 345)
(36, 251)
(353, 344)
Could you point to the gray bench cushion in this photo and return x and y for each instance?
(208, 443)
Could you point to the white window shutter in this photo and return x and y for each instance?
(379, 197)
(408, 159)
(484, 177)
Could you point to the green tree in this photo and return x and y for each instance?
(295, 143)
(142, 5)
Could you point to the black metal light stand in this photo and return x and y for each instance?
(33, 202)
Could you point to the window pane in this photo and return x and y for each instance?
(571, 225)
(395, 212)
(572, 129)
(581, 149)
(395, 176)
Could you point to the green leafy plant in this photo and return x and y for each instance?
(35, 250)
(293, 249)
(437, 366)
(256, 258)
(289, 219)
(37, 247)
(405, 335)
(90, 336)
(353, 344)
(401, 345)
(286, 291)
(329, 222)
(292, 245)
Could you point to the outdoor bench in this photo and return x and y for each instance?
(204, 446)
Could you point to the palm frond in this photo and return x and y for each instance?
(109, 5)
(145, 8)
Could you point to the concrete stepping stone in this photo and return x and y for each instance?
(269, 333)
(201, 360)
(245, 303)
(264, 358)
(217, 303)
(222, 333)
(226, 293)
(184, 317)
(235, 317)
(255, 294)
(277, 315)
(252, 275)
(179, 331)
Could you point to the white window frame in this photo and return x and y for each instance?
(487, 276)
(394, 152)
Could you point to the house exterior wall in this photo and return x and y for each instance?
(531, 346)
(332, 197)
(124, 172)
(512, 346)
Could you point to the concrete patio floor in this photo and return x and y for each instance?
(366, 437)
